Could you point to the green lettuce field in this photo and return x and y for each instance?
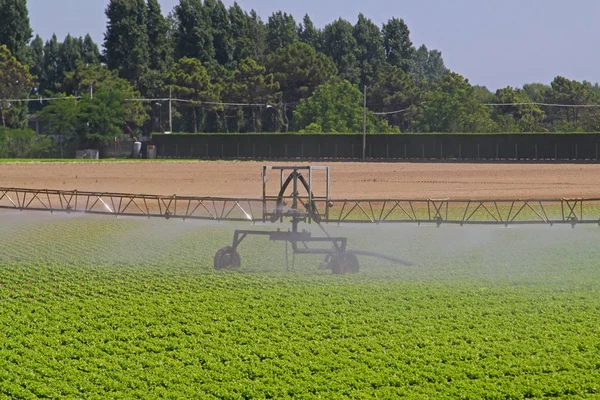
(98, 307)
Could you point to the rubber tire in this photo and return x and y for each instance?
(227, 258)
(345, 264)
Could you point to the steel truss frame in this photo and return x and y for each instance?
(432, 211)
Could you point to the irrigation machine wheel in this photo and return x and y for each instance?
(227, 258)
(346, 263)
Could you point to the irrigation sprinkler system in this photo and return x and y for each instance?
(296, 201)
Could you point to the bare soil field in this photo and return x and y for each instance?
(349, 180)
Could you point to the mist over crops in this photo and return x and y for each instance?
(95, 306)
(446, 252)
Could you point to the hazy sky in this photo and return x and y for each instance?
(495, 43)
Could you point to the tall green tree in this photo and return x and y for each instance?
(15, 31)
(190, 81)
(369, 49)
(299, 70)
(36, 59)
(193, 37)
(87, 79)
(61, 117)
(158, 42)
(100, 119)
(69, 56)
(428, 66)
(399, 49)
(336, 106)
(452, 107)
(242, 45)
(50, 79)
(340, 45)
(15, 83)
(257, 32)
(90, 53)
(482, 94)
(252, 85)
(570, 92)
(282, 31)
(309, 34)
(221, 31)
(521, 117)
(537, 92)
(126, 44)
(395, 92)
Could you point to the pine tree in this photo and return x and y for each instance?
(89, 51)
(340, 45)
(399, 49)
(220, 30)
(257, 32)
(369, 49)
(50, 75)
(69, 55)
(281, 31)
(126, 47)
(193, 38)
(239, 22)
(309, 34)
(36, 58)
(158, 42)
(15, 31)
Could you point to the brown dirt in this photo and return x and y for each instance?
(349, 180)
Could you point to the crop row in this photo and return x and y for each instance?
(97, 307)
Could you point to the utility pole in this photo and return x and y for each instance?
(364, 155)
(92, 90)
(170, 110)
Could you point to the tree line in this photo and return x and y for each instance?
(232, 71)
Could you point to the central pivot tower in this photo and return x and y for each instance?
(295, 201)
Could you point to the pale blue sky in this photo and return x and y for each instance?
(495, 43)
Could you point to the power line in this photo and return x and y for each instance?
(164, 99)
(233, 104)
(391, 112)
(542, 104)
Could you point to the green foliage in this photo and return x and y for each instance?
(101, 113)
(451, 107)
(312, 128)
(100, 119)
(87, 79)
(340, 45)
(51, 62)
(336, 106)
(62, 118)
(97, 307)
(307, 33)
(193, 37)
(299, 70)
(522, 118)
(370, 53)
(15, 83)
(91, 122)
(190, 81)
(395, 90)
(23, 143)
(15, 31)
(126, 42)
(252, 85)
(221, 31)
(160, 56)
(399, 49)
(144, 48)
(282, 31)
(428, 66)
